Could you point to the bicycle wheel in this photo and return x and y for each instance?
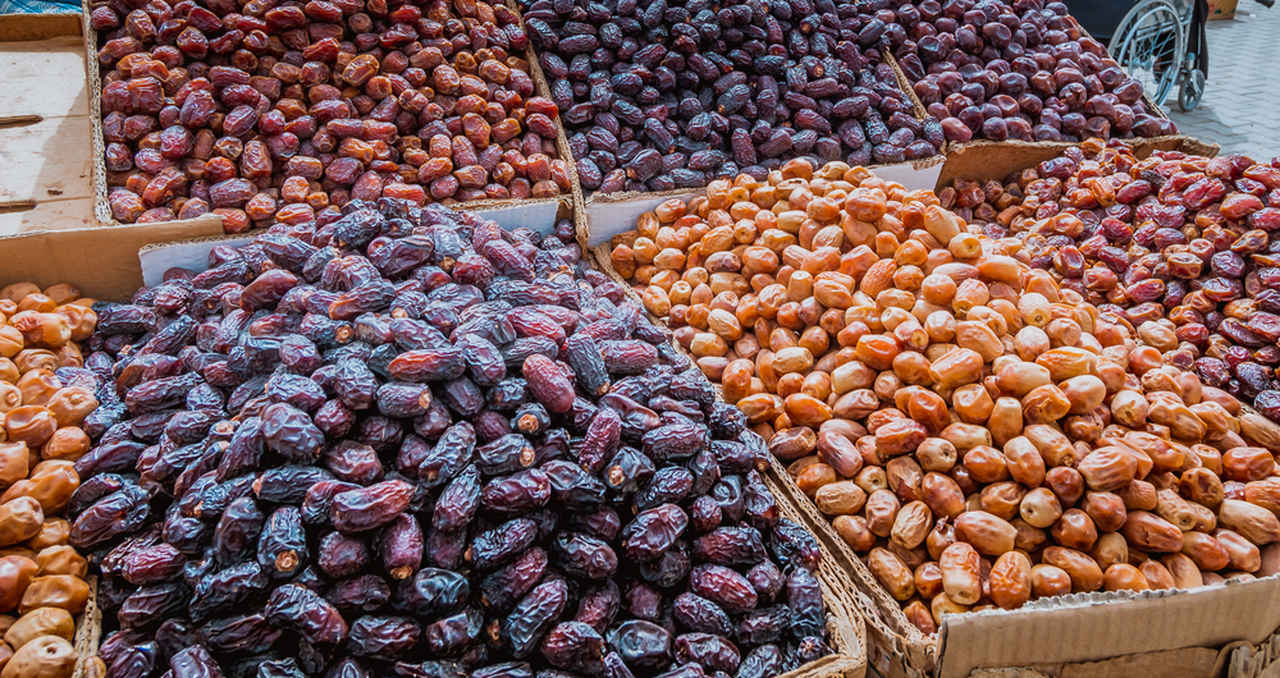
(1150, 45)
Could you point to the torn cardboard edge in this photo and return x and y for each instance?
(1187, 661)
(193, 253)
(998, 160)
(88, 632)
(1261, 660)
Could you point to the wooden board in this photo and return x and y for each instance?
(46, 180)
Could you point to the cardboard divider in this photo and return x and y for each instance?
(88, 632)
(997, 160)
(543, 89)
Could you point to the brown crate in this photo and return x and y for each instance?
(44, 125)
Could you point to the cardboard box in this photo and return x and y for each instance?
(1153, 634)
(845, 626)
(1222, 9)
(48, 232)
(97, 160)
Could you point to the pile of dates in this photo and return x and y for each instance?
(657, 96)
(262, 111)
(45, 393)
(1019, 70)
(1181, 247)
(979, 433)
(410, 443)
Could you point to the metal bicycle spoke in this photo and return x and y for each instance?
(1150, 45)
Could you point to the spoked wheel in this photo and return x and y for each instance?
(1191, 90)
(1150, 45)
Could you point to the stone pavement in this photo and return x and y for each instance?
(1241, 106)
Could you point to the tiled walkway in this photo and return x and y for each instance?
(1241, 106)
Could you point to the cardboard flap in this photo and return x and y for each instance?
(1095, 626)
(917, 176)
(192, 255)
(45, 161)
(608, 216)
(539, 215)
(43, 78)
(102, 262)
(997, 160)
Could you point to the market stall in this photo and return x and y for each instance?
(568, 338)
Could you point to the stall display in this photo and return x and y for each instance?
(263, 113)
(656, 97)
(45, 394)
(1179, 246)
(412, 443)
(1020, 70)
(380, 437)
(981, 435)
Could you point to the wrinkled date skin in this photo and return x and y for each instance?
(714, 91)
(1208, 298)
(262, 114)
(426, 475)
(1056, 83)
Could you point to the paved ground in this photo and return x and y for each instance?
(1241, 106)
